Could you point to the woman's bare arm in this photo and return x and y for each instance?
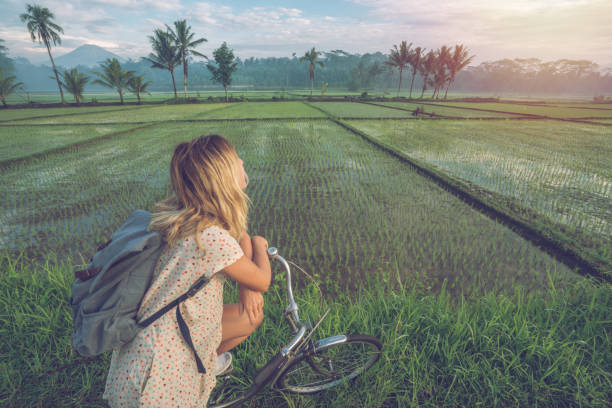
(256, 273)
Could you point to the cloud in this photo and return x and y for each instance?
(155, 23)
(256, 18)
(164, 5)
(547, 29)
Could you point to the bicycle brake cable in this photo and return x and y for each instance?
(305, 273)
(309, 335)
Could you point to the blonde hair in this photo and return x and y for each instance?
(206, 191)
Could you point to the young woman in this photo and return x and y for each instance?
(204, 224)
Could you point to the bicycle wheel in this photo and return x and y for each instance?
(231, 390)
(332, 361)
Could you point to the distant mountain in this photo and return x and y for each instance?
(89, 55)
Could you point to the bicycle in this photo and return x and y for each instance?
(302, 366)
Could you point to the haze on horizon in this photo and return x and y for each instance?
(491, 29)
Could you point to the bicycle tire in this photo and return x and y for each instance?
(329, 364)
(230, 391)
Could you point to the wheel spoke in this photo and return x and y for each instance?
(330, 366)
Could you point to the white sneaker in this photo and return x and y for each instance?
(224, 363)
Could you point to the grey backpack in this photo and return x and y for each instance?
(107, 294)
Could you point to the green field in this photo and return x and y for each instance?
(471, 313)
(446, 111)
(128, 97)
(604, 121)
(17, 114)
(266, 110)
(23, 141)
(300, 171)
(555, 111)
(544, 165)
(359, 110)
(150, 113)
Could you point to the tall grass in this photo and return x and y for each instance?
(548, 349)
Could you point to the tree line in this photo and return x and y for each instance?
(172, 47)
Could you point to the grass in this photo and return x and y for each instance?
(547, 349)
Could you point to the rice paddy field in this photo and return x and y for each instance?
(340, 188)
(150, 97)
(553, 111)
(447, 111)
(563, 180)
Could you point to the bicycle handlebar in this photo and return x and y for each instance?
(292, 307)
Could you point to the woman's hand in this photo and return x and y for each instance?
(252, 302)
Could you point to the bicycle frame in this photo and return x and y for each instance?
(302, 332)
(274, 368)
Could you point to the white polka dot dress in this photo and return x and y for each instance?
(157, 368)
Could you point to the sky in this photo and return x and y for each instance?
(491, 29)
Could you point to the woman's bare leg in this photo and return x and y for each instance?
(235, 323)
(236, 326)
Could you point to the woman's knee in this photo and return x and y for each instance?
(259, 316)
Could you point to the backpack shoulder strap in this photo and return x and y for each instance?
(203, 280)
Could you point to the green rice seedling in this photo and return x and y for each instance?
(314, 185)
(23, 141)
(446, 110)
(146, 114)
(541, 166)
(18, 114)
(359, 110)
(263, 110)
(530, 109)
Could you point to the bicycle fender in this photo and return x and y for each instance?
(270, 370)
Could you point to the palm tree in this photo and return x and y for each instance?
(7, 86)
(415, 60)
(183, 39)
(425, 68)
(74, 82)
(5, 62)
(138, 85)
(113, 76)
(457, 62)
(399, 58)
(166, 54)
(40, 26)
(311, 56)
(440, 70)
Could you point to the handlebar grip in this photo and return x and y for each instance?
(272, 252)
